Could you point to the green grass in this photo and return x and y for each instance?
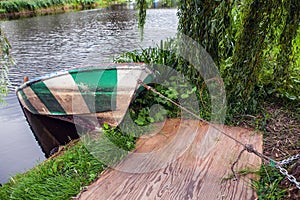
(267, 187)
(57, 178)
(63, 177)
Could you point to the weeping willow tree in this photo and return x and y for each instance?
(254, 43)
(243, 37)
(268, 30)
(289, 51)
(248, 57)
(5, 62)
(208, 23)
(142, 7)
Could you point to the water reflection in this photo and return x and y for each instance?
(18, 147)
(45, 44)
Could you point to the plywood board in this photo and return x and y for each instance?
(185, 160)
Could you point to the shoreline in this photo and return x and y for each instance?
(56, 9)
(44, 11)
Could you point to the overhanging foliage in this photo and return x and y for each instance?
(253, 42)
(5, 62)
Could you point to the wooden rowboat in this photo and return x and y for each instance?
(78, 96)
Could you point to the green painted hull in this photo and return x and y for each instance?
(83, 90)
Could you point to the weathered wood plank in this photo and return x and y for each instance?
(176, 164)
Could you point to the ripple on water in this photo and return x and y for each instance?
(11, 110)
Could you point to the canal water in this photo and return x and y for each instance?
(45, 44)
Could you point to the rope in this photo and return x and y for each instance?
(247, 147)
(235, 162)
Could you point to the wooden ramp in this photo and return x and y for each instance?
(181, 162)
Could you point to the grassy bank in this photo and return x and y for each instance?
(75, 166)
(23, 8)
(59, 177)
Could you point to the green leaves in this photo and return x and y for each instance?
(268, 187)
(180, 85)
(141, 6)
(209, 24)
(125, 141)
(5, 62)
(143, 117)
(254, 43)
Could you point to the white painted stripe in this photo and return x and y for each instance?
(67, 93)
(35, 101)
(127, 84)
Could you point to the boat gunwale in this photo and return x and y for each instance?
(85, 68)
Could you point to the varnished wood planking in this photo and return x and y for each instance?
(189, 175)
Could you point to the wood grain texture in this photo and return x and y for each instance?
(176, 163)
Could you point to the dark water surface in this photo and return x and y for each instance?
(45, 44)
